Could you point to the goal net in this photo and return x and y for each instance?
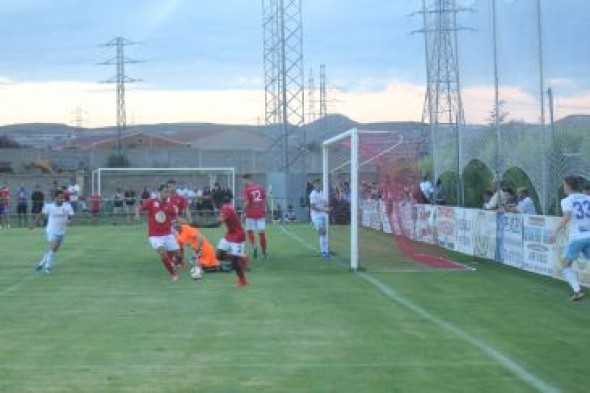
(379, 219)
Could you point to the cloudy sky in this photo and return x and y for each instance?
(202, 60)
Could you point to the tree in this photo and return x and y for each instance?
(8, 143)
(117, 161)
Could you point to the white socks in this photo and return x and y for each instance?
(572, 278)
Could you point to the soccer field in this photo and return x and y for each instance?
(108, 319)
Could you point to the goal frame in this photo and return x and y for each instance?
(97, 174)
(353, 135)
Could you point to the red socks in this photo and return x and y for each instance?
(262, 237)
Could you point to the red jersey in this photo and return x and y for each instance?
(180, 203)
(95, 202)
(4, 196)
(159, 216)
(256, 197)
(235, 233)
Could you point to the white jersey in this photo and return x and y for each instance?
(57, 217)
(74, 191)
(316, 198)
(578, 206)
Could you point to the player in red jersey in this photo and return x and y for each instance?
(160, 213)
(231, 246)
(181, 209)
(255, 213)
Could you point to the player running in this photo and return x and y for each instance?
(181, 209)
(58, 216)
(231, 246)
(255, 212)
(576, 214)
(160, 213)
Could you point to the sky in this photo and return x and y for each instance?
(201, 61)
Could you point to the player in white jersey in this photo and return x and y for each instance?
(319, 207)
(58, 216)
(576, 215)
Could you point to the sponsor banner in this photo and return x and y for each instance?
(445, 229)
(511, 245)
(540, 254)
(424, 223)
(375, 215)
(408, 214)
(484, 234)
(365, 214)
(396, 219)
(464, 230)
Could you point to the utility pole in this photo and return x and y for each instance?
(443, 106)
(120, 79)
(283, 73)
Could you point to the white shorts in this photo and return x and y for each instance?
(320, 222)
(55, 238)
(255, 224)
(167, 242)
(231, 247)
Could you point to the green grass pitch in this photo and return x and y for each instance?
(108, 319)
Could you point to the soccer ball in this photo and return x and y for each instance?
(196, 272)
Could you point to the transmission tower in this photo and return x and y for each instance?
(323, 92)
(78, 116)
(283, 73)
(120, 79)
(311, 113)
(443, 108)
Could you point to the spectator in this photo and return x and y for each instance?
(217, 196)
(145, 194)
(74, 193)
(22, 197)
(440, 197)
(498, 200)
(130, 200)
(95, 201)
(117, 206)
(511, 198)
(277, 214)
(4, 201)
(487, 196)
(427, 189)
(37, 200)
(525, 203)
(291, 216)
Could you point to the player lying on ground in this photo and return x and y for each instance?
(190, 235)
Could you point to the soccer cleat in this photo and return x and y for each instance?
(577, 296)
(265, 256)
(40, 266)
(174, 277)
(47, 270)
(255, 252)
(325, 255)
(241, 282)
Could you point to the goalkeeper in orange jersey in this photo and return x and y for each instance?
(204, 251)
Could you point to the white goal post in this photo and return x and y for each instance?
(230, 172)
(354, 163)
